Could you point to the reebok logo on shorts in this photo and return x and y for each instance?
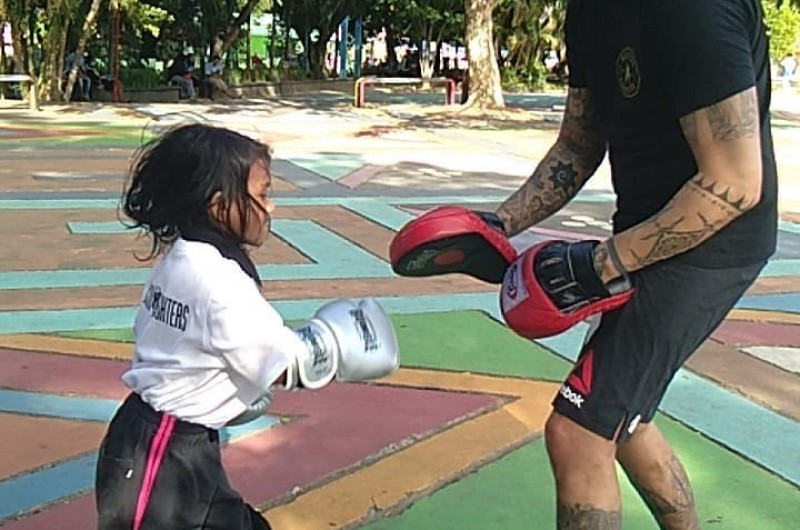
(571, 396)
(579, 382)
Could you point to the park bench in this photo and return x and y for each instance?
(359, 89)
(22, 79)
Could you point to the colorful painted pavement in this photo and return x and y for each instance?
(453, 440)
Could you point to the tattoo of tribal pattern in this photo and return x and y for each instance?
(673, 237)
(562, 172)
(677, 510)
(731, 119)
(734, 118)
(581, 517)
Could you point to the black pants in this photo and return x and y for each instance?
(155, 472)
(624, 369)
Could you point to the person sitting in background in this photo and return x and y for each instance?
(181, 73)
(213, 72)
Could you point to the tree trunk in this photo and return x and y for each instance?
(485, 90)
(22, 39)
(88, 27)
(316, 57)
(224, 40)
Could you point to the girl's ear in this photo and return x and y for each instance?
(216, 208)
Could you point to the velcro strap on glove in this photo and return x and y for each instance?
(317, 364)
(528, 309)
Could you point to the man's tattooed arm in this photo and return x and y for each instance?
(725, 139)
(562, 172)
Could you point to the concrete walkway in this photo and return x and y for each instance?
(453, 440)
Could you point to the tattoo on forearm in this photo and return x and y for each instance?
(565, 168)
(666, 234)
(581, 517)
(580, 130)
(722, 198)
(675, 507)
(670, 240)
(553, 183)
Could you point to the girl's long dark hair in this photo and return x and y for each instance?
(174, 177)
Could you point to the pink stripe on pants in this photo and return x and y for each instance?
(154, 458)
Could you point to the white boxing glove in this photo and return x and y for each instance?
(349, 340)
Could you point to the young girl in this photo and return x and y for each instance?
(208, 344)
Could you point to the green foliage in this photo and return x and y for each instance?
(418, 19)
(133, 77)
(255, 74)
(530, 79)
(784, 27)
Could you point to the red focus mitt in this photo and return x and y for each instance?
(553, 285)
(452, 239)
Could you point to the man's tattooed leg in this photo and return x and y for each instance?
(582, 517)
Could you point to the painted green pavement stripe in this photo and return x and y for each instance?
(517, 492)
(470, 341)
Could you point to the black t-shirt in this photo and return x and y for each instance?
(646, 63)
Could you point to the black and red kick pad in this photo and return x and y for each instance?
(451, 239)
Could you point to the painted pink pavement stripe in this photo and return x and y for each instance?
(77, 514)
(757, 334)
(62, 374)
(356, 178)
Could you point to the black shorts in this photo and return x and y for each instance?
(628, 361)
(155, 472)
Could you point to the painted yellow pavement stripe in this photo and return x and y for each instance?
(754, 315)
(81, 347)
(392, 483)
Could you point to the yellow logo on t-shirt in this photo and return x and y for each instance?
(628, 75)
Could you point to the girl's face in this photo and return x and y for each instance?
(259, 188)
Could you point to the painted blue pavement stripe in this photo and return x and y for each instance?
(17, 280)
(335, 256)
(780, 268)
(789, 226)
(98, 227)
(112, 204)
(28, 492)
(788, 302)
(381, 213)
(761, 435)
(59, 204)
(331, 167)
(68, 407)
(24, 493)
(45, 321)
